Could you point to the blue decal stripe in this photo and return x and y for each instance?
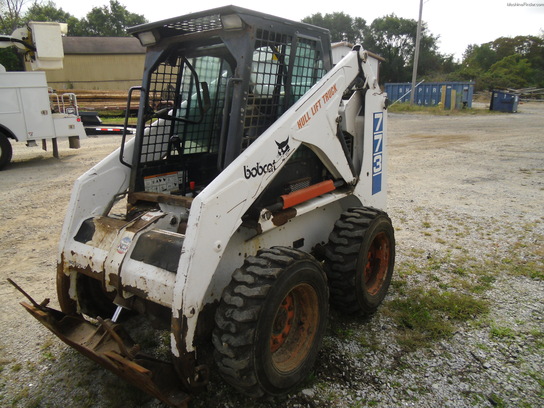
(377, 153)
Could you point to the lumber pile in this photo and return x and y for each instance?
(97, 100)
(528, 93)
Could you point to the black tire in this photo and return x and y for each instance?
(271, 321)
(6, 151)
(359, 260)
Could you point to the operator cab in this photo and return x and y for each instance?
(213, 82)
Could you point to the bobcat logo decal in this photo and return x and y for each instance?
(261, 169)
(283, 147)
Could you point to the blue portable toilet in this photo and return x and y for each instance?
(503, 101)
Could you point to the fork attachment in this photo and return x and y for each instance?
(110, 346)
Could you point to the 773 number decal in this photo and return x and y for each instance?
(377, 152)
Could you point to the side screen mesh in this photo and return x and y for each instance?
(201, 137)
(283, 69)
(162, 95)
(173, 88)
(307, 68)
(267, 84)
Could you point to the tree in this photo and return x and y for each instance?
(10, 19)
(394, 39)
(480, 56)
(49, 12)
(477, 60)
(513, 71)
(10, 59)
(341, 26)
(505, 62)
(109, 22)
(10, 15)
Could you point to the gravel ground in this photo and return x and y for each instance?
(466, 194)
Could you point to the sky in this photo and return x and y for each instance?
(457, 23)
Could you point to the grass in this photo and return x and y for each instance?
(437, 110)
(426, 316)
(533, 269)
(502, 332)
(45, 348)
(116, 118)
(434, 293)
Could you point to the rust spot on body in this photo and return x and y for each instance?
(280, 218)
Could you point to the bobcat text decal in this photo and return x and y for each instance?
(266, 168)
(317, 106)
(259, 169)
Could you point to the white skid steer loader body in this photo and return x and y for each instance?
(215, 243)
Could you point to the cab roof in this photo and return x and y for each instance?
(216, 19)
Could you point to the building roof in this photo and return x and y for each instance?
(342, 44)
(102, 45)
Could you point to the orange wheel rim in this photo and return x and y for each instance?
(282, 323)
(294, 328)
(377, 263)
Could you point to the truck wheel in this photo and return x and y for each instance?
(359, 260)
(271, 321)
(5, 151)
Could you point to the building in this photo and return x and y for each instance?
(101, 63)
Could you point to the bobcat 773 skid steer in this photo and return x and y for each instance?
(251, 197)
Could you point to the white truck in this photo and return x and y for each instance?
(29, 111)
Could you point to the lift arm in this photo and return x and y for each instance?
(314, 121)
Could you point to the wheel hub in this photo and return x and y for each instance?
(377, 263)
(282, 323)
(293, 329)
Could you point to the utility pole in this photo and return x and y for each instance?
(416, 55)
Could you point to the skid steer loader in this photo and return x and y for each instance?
(251, 197)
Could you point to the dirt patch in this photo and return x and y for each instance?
(458, 185)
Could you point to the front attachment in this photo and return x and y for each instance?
(110, 346)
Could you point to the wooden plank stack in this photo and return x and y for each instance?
(98, 100)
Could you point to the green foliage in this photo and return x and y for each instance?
(10, 59)
(10, 14)
(341, 26)
(533, 269)
(425, 316)
(391, 37)
(394, 39)
(513, 71)
(502, 332)
(511, 62)
(406, 107)
(506, 62)
(480, 57)
(111, 21)
(49, 12)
